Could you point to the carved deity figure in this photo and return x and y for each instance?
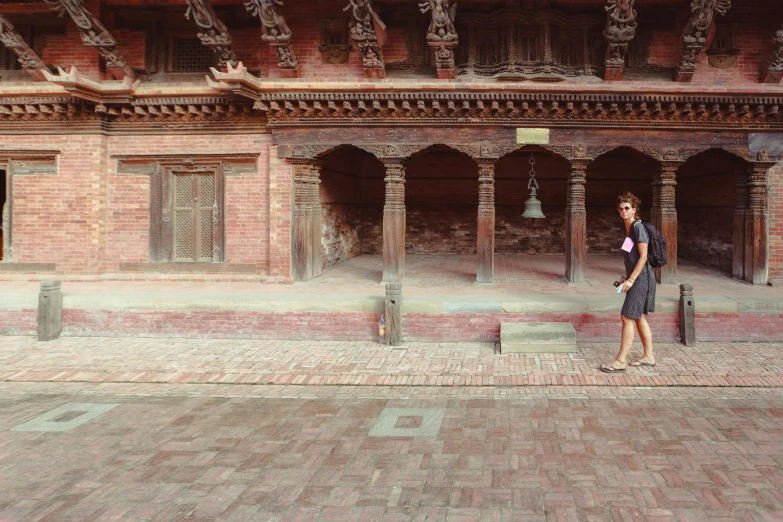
(368, 31)
(775, 62)
(273, 25)
(442, 22)
(694, 36)
(620, 30)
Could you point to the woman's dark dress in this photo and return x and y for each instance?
(640, 298)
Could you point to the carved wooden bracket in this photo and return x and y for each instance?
(93, 33)
(29, 60)
(212, 32)
(694, 37)
(773, 70)
(620, 31)
(275, 31)
(93, 90)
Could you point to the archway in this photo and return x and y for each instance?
(351, 194)
(515, 234)
(710, 210)
(621, 170)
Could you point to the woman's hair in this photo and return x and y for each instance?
(635, 202)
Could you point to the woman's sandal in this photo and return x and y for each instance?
(608, 368)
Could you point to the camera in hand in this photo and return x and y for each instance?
(618, 283)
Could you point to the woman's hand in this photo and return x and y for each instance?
(627, 284)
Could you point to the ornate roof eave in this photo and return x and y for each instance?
(371, 105)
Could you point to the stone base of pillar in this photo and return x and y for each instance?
(770, 76)
(446, 74)
(379, 73)
(289, 73)
(683, 75)
(613, 73)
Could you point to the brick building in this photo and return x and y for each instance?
(183, 136)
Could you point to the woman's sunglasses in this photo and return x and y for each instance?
(624, 208)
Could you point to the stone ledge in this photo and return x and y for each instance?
(28, 267)
(187, 268)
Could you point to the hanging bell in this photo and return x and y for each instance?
(533, 205)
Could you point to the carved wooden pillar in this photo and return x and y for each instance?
(576, 223)
(306, 222)
(740, 209)
(756, 222)
(485, 273)
(663, 216)
(394, 221)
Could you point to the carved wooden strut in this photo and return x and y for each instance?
(212, 32)
(694, 37)
(394, 221)
(275, 31)
(93, 33)
(620, 30)
(29, 60)
(441, 34)
(773, 70)
(368, 32)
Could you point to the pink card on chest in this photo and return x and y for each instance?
(627, 244)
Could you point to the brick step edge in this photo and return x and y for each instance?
(472, 381)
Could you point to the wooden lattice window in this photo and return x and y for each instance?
(486, 53)
(569, 53)
(528, 48)
(190, 55)
(187, 212)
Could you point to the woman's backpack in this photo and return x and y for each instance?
(656, 250)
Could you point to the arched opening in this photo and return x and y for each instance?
(351, 195)
(441, 198)
(706, 203)
(515, 234)
(621, 170)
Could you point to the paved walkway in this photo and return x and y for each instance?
(256, 362)
(202, 453)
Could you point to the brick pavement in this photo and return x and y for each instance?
(308, 363)
(273, 453)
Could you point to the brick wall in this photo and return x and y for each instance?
(57, 217)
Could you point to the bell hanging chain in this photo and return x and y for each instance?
(532, 182)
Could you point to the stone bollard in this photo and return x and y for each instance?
(50, 311)
(393, 314)
(687, 316)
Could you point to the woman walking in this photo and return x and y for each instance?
(638, 287)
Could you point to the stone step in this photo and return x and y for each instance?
(537, 338)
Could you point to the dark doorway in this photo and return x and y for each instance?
(3, 199)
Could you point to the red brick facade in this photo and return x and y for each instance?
(82, 214)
